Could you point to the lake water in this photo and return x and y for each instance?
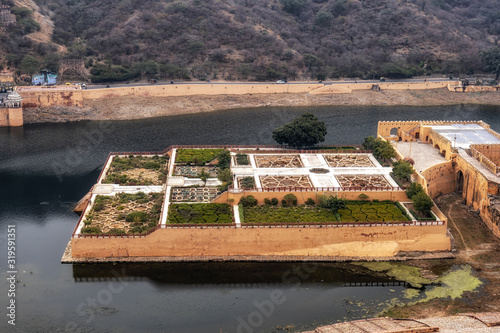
(46, 168)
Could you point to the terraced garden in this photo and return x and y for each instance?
(137, 170)
(348, 161)
(278, 161)
(297, 214)
(200, 213)
(197, 156)
(194, 171)
(124, 213)
(194, 194)
(359, 211)
(356, 211)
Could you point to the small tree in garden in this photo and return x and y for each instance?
(333, 203)
(290, 199)
(381, 148)
(414, 189)
(384, 150)
(402, 169)
(305, 130)
(225, 176)
(224, 159)
(248, 201)
(203, 175)
(422, 203)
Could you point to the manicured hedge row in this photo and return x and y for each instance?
(197, 156)
(200, 213)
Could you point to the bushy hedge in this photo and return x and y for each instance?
(197, 156)
(359, 211)
(242, 159)
(200, 213)
(292, 214)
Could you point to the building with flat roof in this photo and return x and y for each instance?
(449, 156)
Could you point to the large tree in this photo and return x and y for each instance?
(491, 61)
(305, 130)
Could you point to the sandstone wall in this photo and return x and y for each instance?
(341, 241)
(302, 196)
(11, 117)
(477, 190)
(440, 179)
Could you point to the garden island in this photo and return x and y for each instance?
(278, 203)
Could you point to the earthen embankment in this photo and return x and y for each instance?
(139, 102)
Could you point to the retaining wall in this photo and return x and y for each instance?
(11, 117)
(313, 241)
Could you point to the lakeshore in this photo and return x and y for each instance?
(139, 107)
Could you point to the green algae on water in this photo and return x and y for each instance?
(454, 284)
(398, 271)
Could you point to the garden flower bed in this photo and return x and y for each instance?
(200, 213)
(359, 211)
(356, 211)
(198, 157)
(194, 194)
(348, 161)
(296, 214)
(194, 171)
(124, 213)
(278, 161)
(137, 170)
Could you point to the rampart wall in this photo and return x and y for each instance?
(312, 241)
(11, 117)
(477, 190)
(68, 96)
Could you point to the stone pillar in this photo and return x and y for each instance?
(15, 116)
(4, 117)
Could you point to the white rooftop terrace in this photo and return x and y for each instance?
(464, 135)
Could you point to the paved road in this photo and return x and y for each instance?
(161, 83)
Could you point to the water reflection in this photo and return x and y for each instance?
(342, 274)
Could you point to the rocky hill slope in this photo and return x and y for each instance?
(254, 39)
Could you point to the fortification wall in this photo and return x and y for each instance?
(175, 90)
(37, 97)
(11, 117)
(477, 190)
(440, 179)
(231, 242)
(34, 99)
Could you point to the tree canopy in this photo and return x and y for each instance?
(306, 130)
(491, 61)
(381, 149)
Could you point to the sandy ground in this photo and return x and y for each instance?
(131, 107)
(476, 246)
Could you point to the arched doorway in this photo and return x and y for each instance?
(394, 131)
(460, 181)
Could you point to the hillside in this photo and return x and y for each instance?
(254, 39)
